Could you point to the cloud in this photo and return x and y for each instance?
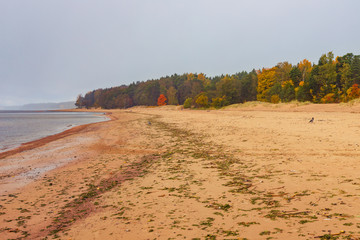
(54, 50)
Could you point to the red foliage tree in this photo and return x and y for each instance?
(355, 91)
(161, 100)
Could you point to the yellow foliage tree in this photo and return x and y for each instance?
(305, 68)
(190, 76)
(203, 79)
(266, 79)
(202, 101)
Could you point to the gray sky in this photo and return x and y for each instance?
(53, 50)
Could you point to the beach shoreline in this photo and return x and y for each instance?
(251, 172)
(47, 139)
(18, 170)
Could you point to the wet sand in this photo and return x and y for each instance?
(253, 171)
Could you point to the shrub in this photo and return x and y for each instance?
(188, 103)
(353, 92)
(328, 98)
(219, 102)
(275, 98)
(202, 101)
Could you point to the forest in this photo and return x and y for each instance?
(331, 80)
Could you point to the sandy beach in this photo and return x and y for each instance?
(243, 172)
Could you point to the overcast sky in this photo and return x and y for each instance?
(53, 50)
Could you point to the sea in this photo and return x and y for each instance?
(17, 127)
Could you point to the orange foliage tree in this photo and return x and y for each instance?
(353, 92)
(190, 76)
(161, 100)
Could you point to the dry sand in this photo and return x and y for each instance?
(254, 172)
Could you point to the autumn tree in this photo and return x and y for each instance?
(295, 75)
(98, 98)
(196, 87)
(302, 92)
(203, 79)
(305, 68)
(190, 76)
(88, 100)
(275, 99)
(327, 81)
(248, 85)
(229, 86)
(282, 72)
(161, 100)
(202, 100)
(266, 80)
(345, 75)
(219, 102)
(188, 102)
(328, 98)
(276, 89)
(287, 92)
(326, 75)
(183, 88)
(172, 97)
(355, 69)
(123, 101)
(79, 101)
(147, 93)
(353, 92)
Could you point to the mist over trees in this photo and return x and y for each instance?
(331, 80)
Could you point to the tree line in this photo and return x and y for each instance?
(331, 80)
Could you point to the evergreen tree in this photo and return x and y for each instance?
(355, 69)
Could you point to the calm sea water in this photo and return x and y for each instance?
(17, 127)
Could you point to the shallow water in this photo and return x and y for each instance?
(17, 127)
